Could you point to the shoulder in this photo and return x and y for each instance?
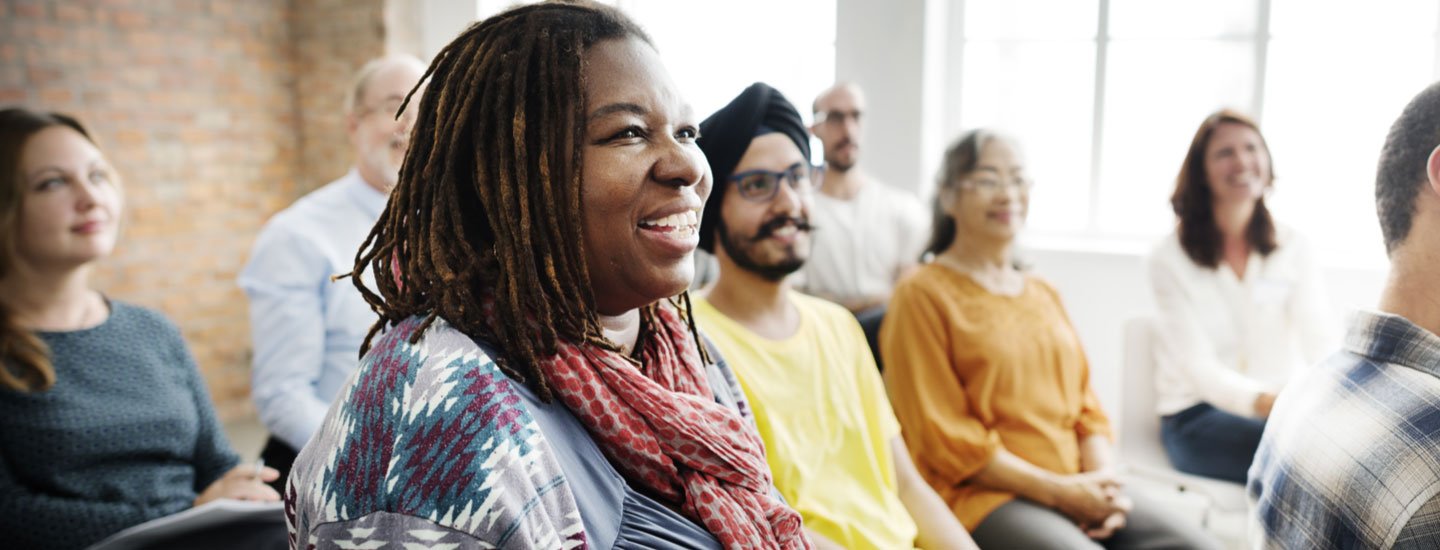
(312, 210)
(930, 288)
(837, 322)
(143, 321)
(1045, 288)
(1292, 243)
(819, 308)
(1168, 250)
(407, 435)
(1386, 456)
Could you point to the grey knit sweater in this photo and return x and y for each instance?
(126, 435)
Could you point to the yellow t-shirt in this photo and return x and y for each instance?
(821, 408)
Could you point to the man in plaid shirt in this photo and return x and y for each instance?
(1351, 455)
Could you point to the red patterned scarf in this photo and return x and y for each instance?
(659, 424)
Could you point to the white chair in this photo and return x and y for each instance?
(1142, 453)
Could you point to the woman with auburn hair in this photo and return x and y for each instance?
(991, 385)
(104, 421)
(1241, 306)
(539, 382)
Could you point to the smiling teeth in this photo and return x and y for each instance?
(683, 221)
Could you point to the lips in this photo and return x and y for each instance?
(1005, 216)
(88, 227)
(783, 227)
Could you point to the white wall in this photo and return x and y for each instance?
(881, 46)
(1103, 289)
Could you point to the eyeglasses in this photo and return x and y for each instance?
(836, 118)
(991, 184)
(762, 185)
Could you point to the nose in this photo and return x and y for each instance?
(85, 198)
(682, 166)
(1249, 160)
(788, 199)
(1010, 191)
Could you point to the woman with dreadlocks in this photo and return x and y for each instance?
(535, 380)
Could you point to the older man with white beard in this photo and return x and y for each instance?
(307, 329)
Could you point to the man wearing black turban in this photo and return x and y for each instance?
(833, 443)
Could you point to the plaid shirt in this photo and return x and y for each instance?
(1351, 454)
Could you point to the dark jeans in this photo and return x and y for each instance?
(870, 320)
(280, 456)
(1207, 441)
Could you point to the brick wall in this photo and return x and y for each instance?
(216, 114)
(333, 38)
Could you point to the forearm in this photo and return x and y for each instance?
(933, 518)
(1096, 453)
(1008, 472)
(937, 525)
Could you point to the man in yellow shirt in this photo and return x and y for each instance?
(833, 444)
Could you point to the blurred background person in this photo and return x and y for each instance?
(306, 328)
(105, 423)
(868, 234)
(1007, 429)
(1239, 302)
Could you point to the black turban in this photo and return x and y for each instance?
(726, 135)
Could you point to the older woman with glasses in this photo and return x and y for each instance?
(990, 384)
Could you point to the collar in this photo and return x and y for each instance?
(1387, 338)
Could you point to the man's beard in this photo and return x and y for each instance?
(738, 248)
(835, 162)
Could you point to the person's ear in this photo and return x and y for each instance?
(947, 195)
(1432, 171)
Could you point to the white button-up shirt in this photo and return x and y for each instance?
(306, 329)
(1224, 339)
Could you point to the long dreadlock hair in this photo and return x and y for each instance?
(488, 198)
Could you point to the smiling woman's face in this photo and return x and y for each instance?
(70, 201)
(644, 179)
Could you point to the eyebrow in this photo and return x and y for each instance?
(43, 169)
(619, 108)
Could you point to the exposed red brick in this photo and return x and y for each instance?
(217, 114)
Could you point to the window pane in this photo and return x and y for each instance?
(1328, 108)
(1036, 19)
(1348, 18)
(1042, 94)
(1157, 93)
(1182, 18)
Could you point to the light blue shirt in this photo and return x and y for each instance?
(306, 329)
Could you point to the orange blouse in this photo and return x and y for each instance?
(969, 372)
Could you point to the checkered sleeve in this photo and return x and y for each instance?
(1423, 529)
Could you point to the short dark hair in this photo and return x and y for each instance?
(1401, 171)
(1193, 204)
